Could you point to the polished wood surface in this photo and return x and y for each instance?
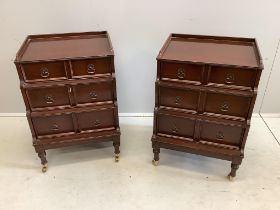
(57, 47)
(206, 89)
(207, 49)
(69, 89)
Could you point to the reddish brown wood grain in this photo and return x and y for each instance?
(68, 86)
(205, 94)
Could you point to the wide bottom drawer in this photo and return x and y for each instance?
(196, 129)
(63, 123)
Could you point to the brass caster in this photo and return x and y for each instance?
(45, 168)
(231, 178)
(155, 162)
(117, 157)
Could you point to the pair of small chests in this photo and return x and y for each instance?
(205, 91)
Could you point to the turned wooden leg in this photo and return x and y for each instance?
(42, 156)
(117, 150)
(232, 173)
(156, 156)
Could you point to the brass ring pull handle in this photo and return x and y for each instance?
(55, 127)
(45, 72)
(181, 73)
(178, 100)
(97, 122)
(230, 78)
(49, 99)
(224, 107)
(90, 68)
(93, 95)
(174, 128)
(220, 135)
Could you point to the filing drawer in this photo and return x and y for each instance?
(181, 72)
(98, 119)
(227, 104)
(178, 98)
(220, 133)
(233, 76)
(91, 67)
(53, 124)
(43, 71)
(48, 97)
(94, 92)
(176, 126)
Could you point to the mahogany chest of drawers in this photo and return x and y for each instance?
(69, 88)
(206, 88)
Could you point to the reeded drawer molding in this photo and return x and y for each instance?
(50, 142)
(66, 82)
(77, 109)
(220, 151)
(194, 116)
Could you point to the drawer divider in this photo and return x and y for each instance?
(68, 69)
(201, 102)
(72, 95)
(75, 123)
(197, 130)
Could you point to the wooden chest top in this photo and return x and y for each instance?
(212, 50)
(63, 46)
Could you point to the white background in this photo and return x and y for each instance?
(138, 29)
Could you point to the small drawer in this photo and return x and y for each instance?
(233, 76)
(219, 133)
(98, 119)
(178, 98)
(53, 124)
(91, 67)
(227, 104)
(181, 71)
(175, 126)
(48, 97)
(94, 92)
(43, 71)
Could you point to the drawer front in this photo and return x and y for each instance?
(44, 71)
(179, 71)
(53, 124)
(227, 104)
(99, 119)
(176, 126)
(91, 67)
(48, 97)
(219, 133)
(91, 93)
(233, 76)
(178, 98)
